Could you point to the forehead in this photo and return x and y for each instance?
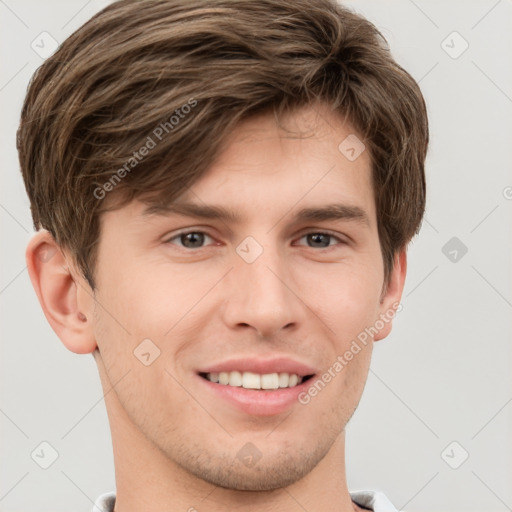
(313, 155)
(305, 161)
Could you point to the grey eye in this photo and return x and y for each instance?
(319, 239)
(192, 240)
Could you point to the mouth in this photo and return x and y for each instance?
(257, 386)
(250, 380)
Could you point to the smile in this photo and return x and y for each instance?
(250, 380)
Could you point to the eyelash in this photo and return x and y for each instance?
(327, 233)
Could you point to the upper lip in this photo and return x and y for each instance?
(261, 366)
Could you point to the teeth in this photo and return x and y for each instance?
(284, 379)
(270, 381)
(249, 380)
(235, 379)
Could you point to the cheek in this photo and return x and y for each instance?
(135, 319)
(346, 297)
(139, 301)
(136, 362)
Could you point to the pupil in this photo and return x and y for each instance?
(318, 238)
(192, 239)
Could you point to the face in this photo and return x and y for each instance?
(264, 274)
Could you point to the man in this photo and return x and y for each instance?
(224, 193)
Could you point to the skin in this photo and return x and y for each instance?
(174, 449)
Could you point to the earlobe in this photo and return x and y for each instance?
(390, 300)
(57, 290)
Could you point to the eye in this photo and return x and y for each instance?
(189, 239)
(321, 240)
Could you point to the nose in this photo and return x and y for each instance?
(261, 295)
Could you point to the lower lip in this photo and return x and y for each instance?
(264, 402)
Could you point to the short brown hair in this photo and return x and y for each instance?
(136, 64)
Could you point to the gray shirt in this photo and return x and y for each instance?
(372, 500)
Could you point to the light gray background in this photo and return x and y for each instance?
(443, 375)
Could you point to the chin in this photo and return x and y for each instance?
(267, 473)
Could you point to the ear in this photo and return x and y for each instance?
(390, 299)
(66, 298)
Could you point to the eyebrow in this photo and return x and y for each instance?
(322, 213)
